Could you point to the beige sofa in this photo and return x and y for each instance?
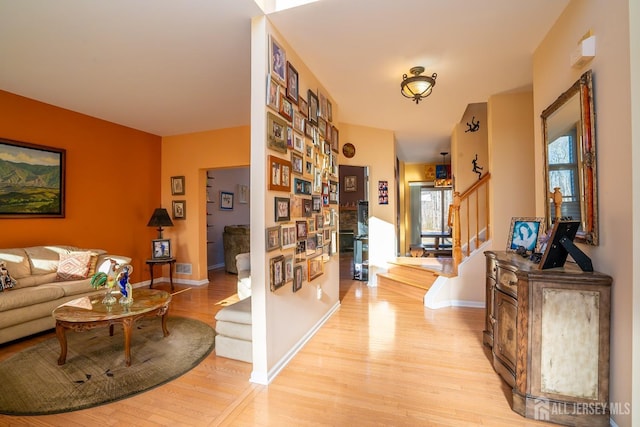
(45, 277)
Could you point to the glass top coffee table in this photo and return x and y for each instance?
(87, 313)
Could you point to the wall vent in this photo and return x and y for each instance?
(183, 268)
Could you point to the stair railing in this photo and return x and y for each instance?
(474, 204)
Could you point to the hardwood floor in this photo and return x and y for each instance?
(382, 360)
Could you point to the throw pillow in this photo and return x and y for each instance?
(6, 281)
(73, 266)
(93, 263)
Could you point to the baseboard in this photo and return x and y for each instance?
(175, 282)
(284, 361)
(215, 266)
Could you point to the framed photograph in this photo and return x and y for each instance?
(273, 238)
(312, 99)
(243, 193)
(288, 236)
(312, 244)
(301, 230)
(302, 186)
(301, 251)
(309, 129)
(298, 122)
(315, 267)
(333, 192)
(322, 105)
(226, 201)
(276, 133)
(280, 174)
(329, 111)
(273, 94)
(316, 203)
(298, 277)
(335, 136)
(307, 208)
(179, 209)
(288, 268)
(524, 231)
(296, 206)
(298, 142)
(303, 105)
(277, 272)
(161, 248)
(350, 183)
(44, 195)
(297, 163)
(292, 83)
(308, 169)
(282, 208)
(383, 192)
(278, 61)
(286, 107)
(177, 185)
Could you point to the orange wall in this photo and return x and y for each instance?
(112, 181)
(190, 155)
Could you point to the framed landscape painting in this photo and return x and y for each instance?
(33, 180)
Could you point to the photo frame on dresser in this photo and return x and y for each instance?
(524, 231)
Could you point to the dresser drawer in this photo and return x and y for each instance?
(507, 281)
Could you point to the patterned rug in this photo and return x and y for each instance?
(95, 373)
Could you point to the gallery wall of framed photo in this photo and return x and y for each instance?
(302, 141)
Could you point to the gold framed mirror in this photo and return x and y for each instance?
(570, 159)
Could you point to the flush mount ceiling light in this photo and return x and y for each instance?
(417, 87)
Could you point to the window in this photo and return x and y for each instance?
(430, 214)
(564, 172)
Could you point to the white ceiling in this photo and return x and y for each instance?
(170, 67)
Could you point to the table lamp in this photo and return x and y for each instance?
(160, 218)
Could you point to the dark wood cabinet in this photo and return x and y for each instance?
(549, 336)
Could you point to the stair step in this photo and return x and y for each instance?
(424, 283)
(412, 274)
(440, 267)
(395, 284)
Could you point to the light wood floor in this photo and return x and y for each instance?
(382, 360)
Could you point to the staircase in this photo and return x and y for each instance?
(413, 277)
(469, 222)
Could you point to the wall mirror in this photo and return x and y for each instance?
(570, 158)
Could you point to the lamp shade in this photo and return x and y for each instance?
(418, 86)
(160, 218)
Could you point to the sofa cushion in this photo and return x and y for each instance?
(234, 330)
(74, 265)
(239, 312)
(44, 259)
(74, 287)
(17, 262)
(234, 348)
(40, 279)
(29, 296)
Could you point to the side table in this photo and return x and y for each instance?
(161, 261)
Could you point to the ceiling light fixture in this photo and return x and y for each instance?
(417, 87)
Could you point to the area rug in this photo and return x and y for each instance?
(95, 371)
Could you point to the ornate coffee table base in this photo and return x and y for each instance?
(127, 323)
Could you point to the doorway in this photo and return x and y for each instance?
(354, 195)
(429, 231)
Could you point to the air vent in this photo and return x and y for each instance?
(183, 268)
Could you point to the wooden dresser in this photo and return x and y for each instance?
(549, 336)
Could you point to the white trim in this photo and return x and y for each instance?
(282, 363)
